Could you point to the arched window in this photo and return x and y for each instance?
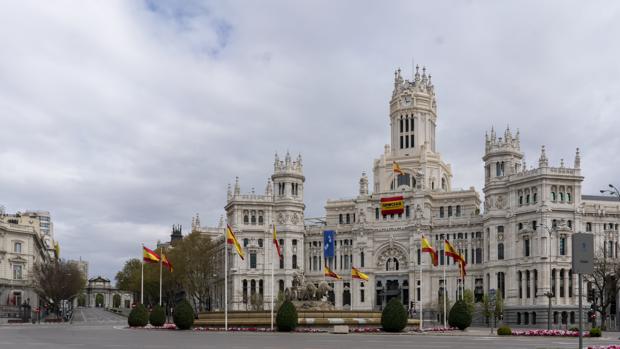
(500, 251)
(281, 285)
(588, 227)
(552, 196)
(261, 220)
(458, 210)
(443, 184)
(245, 291)
(253, 218)
(441, 212)
(246, 219)
(252, 287)
(17, 248)
(534, 318)
(561, 197)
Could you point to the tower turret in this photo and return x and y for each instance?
(413, 114)
(288, 178)
(502, 156)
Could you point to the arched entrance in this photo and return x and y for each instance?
(81, 301)
(99, 300)
(392, 279)
(116, 301)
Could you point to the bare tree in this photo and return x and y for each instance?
(57, 281)
(606, 282)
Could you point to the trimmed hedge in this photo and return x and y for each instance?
(394, 316)
(158, 316)
(287, 318)
(183, 315)
(504, 331)
(459, 316)
(138, 317)
(595, 332)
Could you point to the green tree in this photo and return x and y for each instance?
(183, 315)
(606, 282)
(486, 308)
(193, 258)
(394, 316)
(287, 317)
(460, 316)
(468, 298)
(499, 306)
(157, 317)
(138, 317)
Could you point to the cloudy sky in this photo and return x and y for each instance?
(125, 117)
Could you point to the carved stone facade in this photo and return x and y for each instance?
(519, 245)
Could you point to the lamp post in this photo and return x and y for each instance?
(613, 191)
(549, 295)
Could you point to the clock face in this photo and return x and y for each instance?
(406, 101)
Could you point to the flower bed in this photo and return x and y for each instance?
(611, 346)
(366, 330)
(549, 333)
(437, 329)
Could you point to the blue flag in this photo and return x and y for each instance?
(328, 243)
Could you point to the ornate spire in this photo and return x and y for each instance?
(269, 188)
(577, 159)
(562, 163)
(229, 192)
(276, 163)
(237, 188)
(221, 222)
(543, 161)
(197, 220)
(364, 184)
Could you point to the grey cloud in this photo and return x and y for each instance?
(123, 119)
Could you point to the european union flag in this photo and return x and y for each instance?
(328, 243)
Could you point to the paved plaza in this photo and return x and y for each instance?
(98, 329)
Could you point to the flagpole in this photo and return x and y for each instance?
(445, 290)
(226, 279)
(421, 317)
(160, 263)
(272, 262)
(142, 278)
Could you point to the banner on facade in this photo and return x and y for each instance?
(392, 205)
(328, 243)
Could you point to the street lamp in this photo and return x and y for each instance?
(549, 295)
(612, 191)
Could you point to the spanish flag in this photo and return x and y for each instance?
(426, 247)
(356, 274)
(149, 256)
(450, 251)
(276, 243)
(166, 262)
(231, 239)
(462, 265)
(396, 168)
(330, 273)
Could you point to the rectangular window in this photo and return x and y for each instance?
(441, 212)
(348, 218)
(526, 247)
(252, 260)
(562, 246)
(401, 142)
(412, 142)
(17, 271)
(406, 125)
(401, 125)
(362, 296)
(500, 228)
(406, 142)
(407, 211)
(294, 261)
(362, 259)
(449, 211)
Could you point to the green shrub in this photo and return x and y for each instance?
(138, 317)
(183, 315)
(394, 316)
(158, 316)
(287, 319)
(504, 331)
(459, 316)
(595, 332)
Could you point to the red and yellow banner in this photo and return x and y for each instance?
(450, 251)
(392, 205)
(166, 262)
(356, 274)
(426, 247)
(231, 239)
(330, 273)
(276, 243)
(149, 256)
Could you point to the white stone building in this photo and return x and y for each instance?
(518, 244)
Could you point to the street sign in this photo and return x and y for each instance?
(583, 253)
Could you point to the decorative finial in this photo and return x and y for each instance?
(577, 159)
(543, 161)
(562, 163)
